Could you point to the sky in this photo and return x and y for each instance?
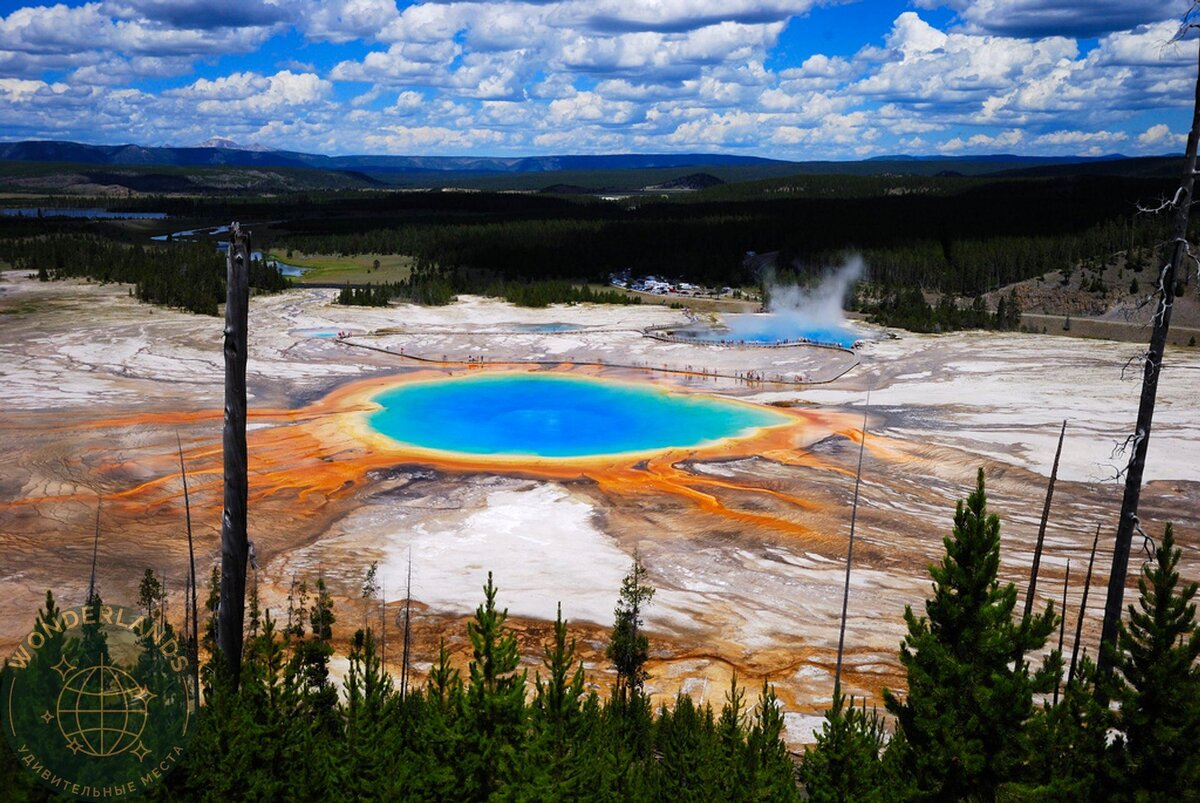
(786, 79)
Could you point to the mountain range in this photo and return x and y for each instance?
(222, 152)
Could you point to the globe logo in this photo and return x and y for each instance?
(101, 711)
(95, 701)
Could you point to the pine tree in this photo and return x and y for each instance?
(557, 712)
(845, 763)
(963, 717)
(772, 772)
(628, 649)
(734, 756)
(444, 680)
(365, 716)
(494, 704)
(1159, 685)
(1067, 744)
(685, 745)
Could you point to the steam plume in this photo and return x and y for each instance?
(802, 313)
(821, 305)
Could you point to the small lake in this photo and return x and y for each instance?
(82, 213)
(542, 415)
(187, 234)
(284, 268)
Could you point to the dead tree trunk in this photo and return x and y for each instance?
(1087, 584)
(235, 546)
(407, 630)
(1128, 523)
(1062, 627)
(193, 655)
(95, 553)
(862, 443)
(1041, 538)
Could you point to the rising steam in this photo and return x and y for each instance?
(821, 305)
(802, 313)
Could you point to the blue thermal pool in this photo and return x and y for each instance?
(549, 328)
(770, 329)
(557, 416)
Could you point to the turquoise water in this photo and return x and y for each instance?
(547, 327)
(772, 329)
(556, 416)
(288, 270)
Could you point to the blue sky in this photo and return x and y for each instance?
(791, 79)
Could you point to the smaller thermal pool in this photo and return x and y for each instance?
(547, 327)
(551, 415)
(769, 329)
(320, 333)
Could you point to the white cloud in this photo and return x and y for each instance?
(407, 102)
(1038, 18)
(588, 107)
(1159, 137)
(407, 139)
(15, 90)
(250, 93)
(1146, 46)
(201, 14)
(344, 20)
(985, 143)
(1088, 138)
(932, 69)
(671, 16)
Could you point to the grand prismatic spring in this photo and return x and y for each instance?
(557, 416)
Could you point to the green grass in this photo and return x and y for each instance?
(359, 269)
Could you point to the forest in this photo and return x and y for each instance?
(973, 723)
(967, 238)
(189, 276)
(434, 288)
(947, 237)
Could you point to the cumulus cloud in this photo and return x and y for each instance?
(37, 39)
(985, 143)
(251, 93)
(931, 69)
(593, 75)
(1159, 136)
(1040, 18)
(344, 20)
(407, 139)
(202, 14)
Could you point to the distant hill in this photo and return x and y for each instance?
(136, 155)
(1134, 167)
(226, 152)
(999, 157)
(120, 180)
(694, 181)
(222, 151)
(38, 165)
(565, 189)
